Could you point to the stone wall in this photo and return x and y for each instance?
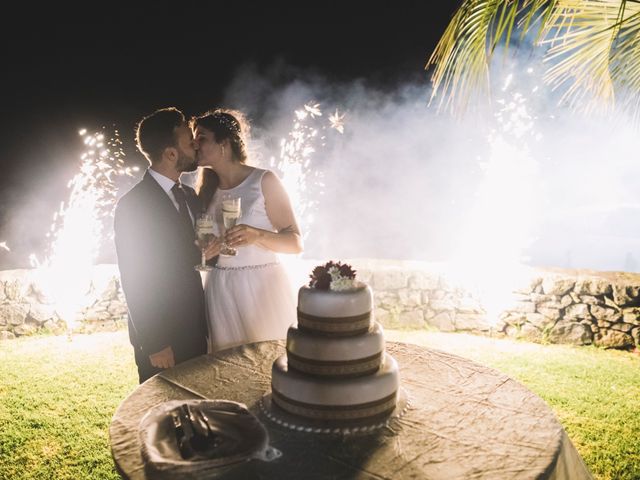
(552, 305)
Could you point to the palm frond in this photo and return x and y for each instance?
(593, 49)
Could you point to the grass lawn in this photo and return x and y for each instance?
(57, 398)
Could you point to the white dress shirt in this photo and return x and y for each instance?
(167, 184)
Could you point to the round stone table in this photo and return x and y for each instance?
(464, 421)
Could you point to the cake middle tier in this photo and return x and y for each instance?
(335, 398)
(335, 356)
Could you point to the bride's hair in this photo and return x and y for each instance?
(225, 124)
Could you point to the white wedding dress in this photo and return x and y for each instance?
(248, 296)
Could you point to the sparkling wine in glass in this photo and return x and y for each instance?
(231, 212)
(204, 236)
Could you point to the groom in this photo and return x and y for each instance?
(154, 239)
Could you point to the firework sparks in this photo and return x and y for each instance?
(337, 121)
(78, 226)
(501, 223)
(302, 179)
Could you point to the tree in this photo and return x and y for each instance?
(593, 49)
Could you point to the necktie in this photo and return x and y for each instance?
(181, 198)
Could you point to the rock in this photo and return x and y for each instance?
(550, 313)
(428, 313)
(589, 300)
(389, 280)
(6, 335)
(614, 339)
(57, 327)
(530, 332)
(621, 296)
(423, 281)
(557, 285)
(622, 327)
(39, 313)
(610, 303)
(593, 286)
(571, 333)
(14, 314)
(118, 309)
(386, 299)
(444, 305)
(605, 313)
(631, 315)
(25, 329)
(471, 322)
(635, 334)
(443, 321)
(13, 290)
(523, 307)
(579, 311)
(409, 298)
(536, 319)
(412, 318)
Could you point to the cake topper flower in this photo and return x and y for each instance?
(333, 276)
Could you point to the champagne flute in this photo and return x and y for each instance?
(204, 236)
(231, 212)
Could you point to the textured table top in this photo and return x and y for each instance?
(464, 421)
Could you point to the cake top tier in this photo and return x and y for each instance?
(334, 276)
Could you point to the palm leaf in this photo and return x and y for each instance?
(592, 46)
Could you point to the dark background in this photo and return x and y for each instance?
(102, 63)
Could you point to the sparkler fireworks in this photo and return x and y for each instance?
(303, 179)
(79, 227)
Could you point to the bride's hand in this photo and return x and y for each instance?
(213, 248)
(241, 235)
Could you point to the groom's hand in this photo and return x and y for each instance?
(163, 359)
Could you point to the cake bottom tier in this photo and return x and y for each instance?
(335, 398)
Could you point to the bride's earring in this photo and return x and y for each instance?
(222, 146)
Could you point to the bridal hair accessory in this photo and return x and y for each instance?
(228, 122)
(334, 276)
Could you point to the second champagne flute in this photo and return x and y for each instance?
(231, 211)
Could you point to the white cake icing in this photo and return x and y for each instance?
(335, 398)
(342, 356)
(327, 303)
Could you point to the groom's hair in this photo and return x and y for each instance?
(156, 131)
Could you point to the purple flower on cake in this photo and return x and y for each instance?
(333, 276)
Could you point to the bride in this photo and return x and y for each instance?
(248, 296)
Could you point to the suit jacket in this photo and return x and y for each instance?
(156, 256)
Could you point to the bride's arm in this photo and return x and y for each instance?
(286, 238)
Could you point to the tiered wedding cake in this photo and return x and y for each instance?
(335, 368)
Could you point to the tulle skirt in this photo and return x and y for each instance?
(248, 304)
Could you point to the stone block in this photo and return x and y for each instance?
(40, 313)
(571, 333)
(443, 321)
(412, 318)
(6, 335)
(605, 313)
(25, 329)
(593, 286)
(389, 280)
(549, 313)
(14, 314)
(613, 339)
(631, 315)
(424, 281)
(577, 311)
(409, 298)
(557, 285)
(471, 322)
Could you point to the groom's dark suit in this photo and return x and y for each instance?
(156, 256)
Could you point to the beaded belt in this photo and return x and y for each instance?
(248, 267)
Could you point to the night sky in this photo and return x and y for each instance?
(103, 63)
